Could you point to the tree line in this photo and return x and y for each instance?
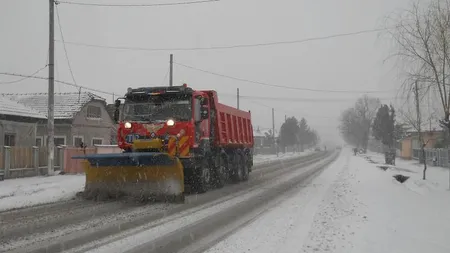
(368, 117)
(294, 133)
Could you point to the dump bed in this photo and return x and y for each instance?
(234, 126)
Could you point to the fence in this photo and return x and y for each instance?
(442, 156)
(31, 161)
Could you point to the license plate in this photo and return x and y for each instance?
(131, 137)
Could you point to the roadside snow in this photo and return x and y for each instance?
(285, 227)
(260, 159)
(354, 206)
(22, 192)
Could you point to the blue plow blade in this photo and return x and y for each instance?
(128, 159)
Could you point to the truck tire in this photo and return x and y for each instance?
(221, 172)
(202, 181)
(245, 168)
(238, 168)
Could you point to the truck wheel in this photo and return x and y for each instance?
(245, 169)
(221, 172)
(203, 177)
(238, 169)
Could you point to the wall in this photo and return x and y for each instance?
(60, 130)
(406, 148)
(412, 142)
(259, 141)
(90, 128)
(25, 132)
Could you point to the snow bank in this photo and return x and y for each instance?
(408, 217)
(438, 178)
(259, 159)
(22, 192)
(285, 227)
(354, 206)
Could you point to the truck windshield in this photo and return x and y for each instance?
(158, 108)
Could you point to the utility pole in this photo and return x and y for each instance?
(273, 131)
(51, 90)
(419, 130)
(171, 71)
(416, 94)
(238, 98)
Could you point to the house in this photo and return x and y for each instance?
(18, 123)
(411, 141)
(111, 108)
(258, 137)
(80, 117)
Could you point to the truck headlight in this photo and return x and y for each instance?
(127, 125)
(170, 122)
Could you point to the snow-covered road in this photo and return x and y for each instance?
(354, 206)
(53, 227)
(24, 192)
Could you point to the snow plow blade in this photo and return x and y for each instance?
(142, 175)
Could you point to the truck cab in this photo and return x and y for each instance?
(162, 112)
(213, 141)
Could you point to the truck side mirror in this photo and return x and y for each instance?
(117, 103)
(197, 111)
(116, 115)
(204, 113)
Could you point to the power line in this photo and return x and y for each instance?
(64, 45)
(25, 77)
(296, 113)
(230, 46)
(291, 99)
(137, 5)
(57, 81)
(278, 86)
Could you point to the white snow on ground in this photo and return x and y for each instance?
(148, 232)
(354, 206)
(260, 159)
(16, 193)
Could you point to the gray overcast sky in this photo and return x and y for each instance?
(346, 63)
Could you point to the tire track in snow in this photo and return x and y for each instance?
(327, 234)
(68, 231)
(177, 234)
(289, 222)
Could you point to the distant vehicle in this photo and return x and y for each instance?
(317, 149)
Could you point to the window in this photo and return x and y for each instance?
(39, 141)
(97, 141)
(78, 140)
(10, 140)
(58, 140)
(94, 112)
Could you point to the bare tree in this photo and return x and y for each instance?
(422, 38)
(356, 121)
(366, 109)
(414, 118)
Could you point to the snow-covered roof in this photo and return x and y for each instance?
(13, 108)
(66, 104)
(257, 133)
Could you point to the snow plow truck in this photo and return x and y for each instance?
(172, 137)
